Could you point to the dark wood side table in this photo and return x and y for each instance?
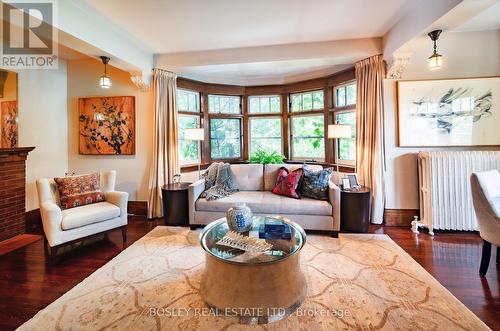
(175, 204)
(355, 207)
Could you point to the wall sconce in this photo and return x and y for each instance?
(435, 60)
(105, 81)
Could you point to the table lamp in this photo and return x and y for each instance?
(336, 131)
(197, 134)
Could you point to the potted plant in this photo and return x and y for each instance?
(264, 157)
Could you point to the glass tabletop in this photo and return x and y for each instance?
(281, 248)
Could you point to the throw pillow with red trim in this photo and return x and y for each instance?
(287, 183)
(75, 191)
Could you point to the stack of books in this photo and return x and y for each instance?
(274, 229)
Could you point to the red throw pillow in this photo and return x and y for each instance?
(77, 191)
(287, 183)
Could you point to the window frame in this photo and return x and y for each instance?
(210, 116)
(326, 84)
(348, 163)
(342, 109)
(344, 85)
(301, 93)
(290, 134)
(199, 115)
(264, 96)
(200, 147)
(268, 116)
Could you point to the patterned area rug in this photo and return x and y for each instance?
(355, 282)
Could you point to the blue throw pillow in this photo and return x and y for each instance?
(315, 183)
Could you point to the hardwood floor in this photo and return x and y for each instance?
(28, 284)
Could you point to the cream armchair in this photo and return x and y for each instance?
(485, 187)
(62, 227)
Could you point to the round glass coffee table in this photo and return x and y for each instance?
(256, 287)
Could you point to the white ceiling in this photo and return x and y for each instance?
(486, 20)
(260, 42)
(193, 25)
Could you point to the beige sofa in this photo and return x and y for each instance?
(255, 183)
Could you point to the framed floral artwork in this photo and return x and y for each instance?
(449, 112)
(9, 127)
(107, 125)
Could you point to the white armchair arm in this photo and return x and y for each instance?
(51, 220)
(194, 191)
(119, 199)
(334, 197)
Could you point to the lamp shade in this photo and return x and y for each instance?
(339, 131)
(105, 82)
(197, 134)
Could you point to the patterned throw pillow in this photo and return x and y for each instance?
(315, 183)
(287, 183)
(77, 191)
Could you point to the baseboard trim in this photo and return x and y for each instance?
(33, 221)
(399, 217)
(139, 208)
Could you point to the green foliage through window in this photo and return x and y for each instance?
(223, 104)
(345, 95)
(188, 150)
(188, 101)
(308, 134)
(225, 138)
(264, 104)
(313, 100)
(265, 134)
(346, 147)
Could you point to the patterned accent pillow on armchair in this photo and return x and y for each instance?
(315, 183)
(287, 183)
(75, 191)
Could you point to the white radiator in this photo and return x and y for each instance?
(445, 195)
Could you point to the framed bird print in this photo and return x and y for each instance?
(449, 112)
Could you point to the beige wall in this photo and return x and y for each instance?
(466, 54)
(132, 170)
(43, 124)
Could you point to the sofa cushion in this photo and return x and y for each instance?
(264, 202)
(88, 214)
(271, 172)
(248, 177)
(75, 191)
(287, 183)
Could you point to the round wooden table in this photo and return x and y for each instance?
(175, 204)
(355, 208)
(256, 287)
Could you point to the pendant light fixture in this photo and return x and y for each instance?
(105, 81)
(436, 59)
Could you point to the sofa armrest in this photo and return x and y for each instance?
(51, 220)
(334, 197)
(194, 192)
(119, 199)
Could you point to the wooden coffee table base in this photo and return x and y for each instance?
(261, 293)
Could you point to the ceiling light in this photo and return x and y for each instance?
(435, 60)
(105, 81)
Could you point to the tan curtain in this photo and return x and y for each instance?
(165, 152)
(370, 161)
